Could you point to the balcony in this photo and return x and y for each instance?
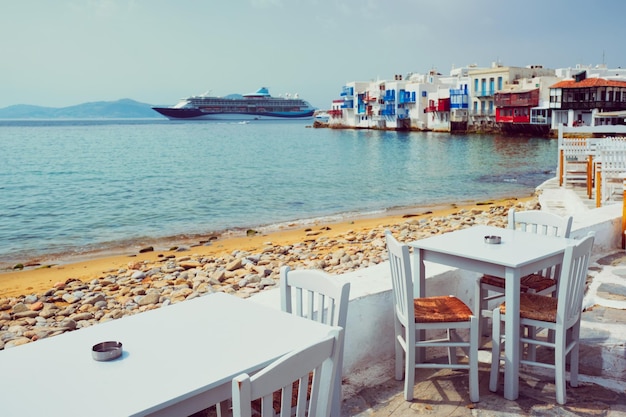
(484, 93)
(347, 92)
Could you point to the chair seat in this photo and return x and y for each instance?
(536, 282)
(440, 309)
(535, 307)
(532, 282)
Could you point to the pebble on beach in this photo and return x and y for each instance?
(75, 304)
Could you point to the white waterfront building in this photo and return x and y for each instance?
(406, 102)
(472, 98)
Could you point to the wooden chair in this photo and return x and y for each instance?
(414, 316)
(575, 160)
(292, 370)
(542, 282)
(561, 315)
(315, 295)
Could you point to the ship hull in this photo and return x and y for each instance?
(196, 114)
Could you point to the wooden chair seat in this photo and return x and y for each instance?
(529, 283)
(535, 307)
(440, 310)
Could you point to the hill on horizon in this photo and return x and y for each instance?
(120, 109)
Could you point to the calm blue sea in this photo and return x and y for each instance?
(75, 187)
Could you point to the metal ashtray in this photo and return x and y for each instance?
(106, 351)
(493, 240)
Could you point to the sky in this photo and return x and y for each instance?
(59, 53)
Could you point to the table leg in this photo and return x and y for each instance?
(419, 274)
(512, 334)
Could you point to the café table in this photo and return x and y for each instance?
(176, 360)
(519, 253)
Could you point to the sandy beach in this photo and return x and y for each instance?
(42, 278)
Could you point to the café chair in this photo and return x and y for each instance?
(575, 162)
(315, 295)
(316, 363)
(413, 317)
(490, 288)
(561, 315)
(611, 165)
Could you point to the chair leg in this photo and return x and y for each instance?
(473, 359)
(574, 355)
(400, 359)
(452, 359)
(409, 378)
(496, 326)
(409, 364)
(531, 332)
(559, 367)
(479, 305)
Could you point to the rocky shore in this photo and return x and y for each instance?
(144, 285)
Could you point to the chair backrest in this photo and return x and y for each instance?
(574, 147)
(401, 279)
(540, 222)
(318, 359)
(313, 294)
(544, 223)
(612, 159)
(572, 286)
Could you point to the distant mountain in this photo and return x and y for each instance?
(120, 109)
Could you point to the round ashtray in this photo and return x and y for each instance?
(493, 240)
(106, 351)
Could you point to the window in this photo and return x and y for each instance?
(499, 83)
(476, 85)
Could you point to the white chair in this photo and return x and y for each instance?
(575, 158)
(561, 315)
(287, 375)
(315, 295)
(414, 316)
(490, 288)
(611, 163)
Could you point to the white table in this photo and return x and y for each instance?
(177, 360)
(520, 253)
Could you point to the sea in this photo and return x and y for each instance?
(78, 188)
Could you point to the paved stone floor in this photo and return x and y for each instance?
(445, 393)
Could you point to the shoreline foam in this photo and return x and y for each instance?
(165, 243)
(91, 266)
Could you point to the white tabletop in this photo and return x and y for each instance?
(516, 249)
(170, 354)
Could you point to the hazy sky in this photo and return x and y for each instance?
(60, 53)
